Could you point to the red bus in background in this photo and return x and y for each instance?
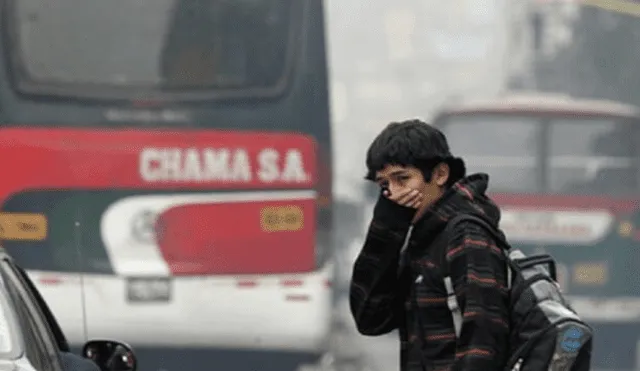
(566, 174)
(171, 160)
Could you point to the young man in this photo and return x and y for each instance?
(398, 279)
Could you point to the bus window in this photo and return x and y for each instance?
(160, 44)
(506, 147)
(591, 156)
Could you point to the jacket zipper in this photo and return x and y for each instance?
(407, 238)
(402, 258)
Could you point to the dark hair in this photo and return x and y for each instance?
(413, 143)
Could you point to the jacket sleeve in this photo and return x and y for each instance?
(373, 291)
(478, 270)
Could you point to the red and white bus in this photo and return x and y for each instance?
(566, 173)
(172, 157)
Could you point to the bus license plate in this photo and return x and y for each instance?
(148, 289)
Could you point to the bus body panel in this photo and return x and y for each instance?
(172, 207)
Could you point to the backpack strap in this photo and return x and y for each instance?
(452, 300)
(454, 308)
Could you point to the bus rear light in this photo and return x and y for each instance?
(50, 280)
(292, 283)
(323, 201)
(299, 297)
(626, 229)
(247, 283)
(591, 273)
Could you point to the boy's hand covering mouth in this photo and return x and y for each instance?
(408, 197)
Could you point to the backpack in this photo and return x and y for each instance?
(545, 332)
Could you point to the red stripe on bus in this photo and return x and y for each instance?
(156, 159)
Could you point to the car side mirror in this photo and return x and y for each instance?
(110, 355)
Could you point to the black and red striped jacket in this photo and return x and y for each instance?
(382, 300)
